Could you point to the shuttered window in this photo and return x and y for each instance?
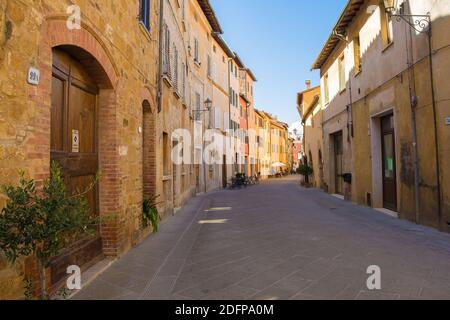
(357, 53)
(341, 64)
(208, 68)
(183, 81)
(217, 118)
(175, 68)
(196, 51)
(197, 106)
(166, 51)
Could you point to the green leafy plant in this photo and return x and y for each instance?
(150, 213)
(305, 171)
(43, 222)
(28, 286)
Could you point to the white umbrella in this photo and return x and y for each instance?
(278, 164)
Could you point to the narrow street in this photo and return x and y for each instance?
(277, 240)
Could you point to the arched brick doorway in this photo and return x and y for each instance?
(148, 150)
(80, 78)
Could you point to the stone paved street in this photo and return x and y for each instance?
(279, 241)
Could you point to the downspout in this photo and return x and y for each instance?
(436, 138)
(413, 103)
(160, 58)
(229, 118)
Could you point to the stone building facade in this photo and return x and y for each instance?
(97, 84)
(113, 87)
(388, 96)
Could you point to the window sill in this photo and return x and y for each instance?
(166, 178)
(197, 63)
(167, 80)
(145, 31)
(387, 46)
(177, 94)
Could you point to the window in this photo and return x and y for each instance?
(326, 89)
(386, 26)
(175, 68)
(183, 81)
(208, 69)
(144, 13)
(217, 118)
(197, 106)
(196, 53)
(341, 63)
(166, 51)
(357, 53)
(166, 154)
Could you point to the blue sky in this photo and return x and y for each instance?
(279, 40)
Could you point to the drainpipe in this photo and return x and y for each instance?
(436, 138)
(229, 117)
(413, 103)
(160, 58)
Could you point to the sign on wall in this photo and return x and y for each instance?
(33, 76)
(75, 141)
(447, 121)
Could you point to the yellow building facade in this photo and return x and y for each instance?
(310, 110)
(389, 86)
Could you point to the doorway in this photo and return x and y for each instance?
(224, 172)
(389, 165)
(74, 146)
(338, 162)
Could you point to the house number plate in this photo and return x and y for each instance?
(33, 76)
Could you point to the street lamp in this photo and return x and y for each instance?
(419, 22)
(390, 5)
(196, 113)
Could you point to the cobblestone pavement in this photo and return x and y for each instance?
(279, 241)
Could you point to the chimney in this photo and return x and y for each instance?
(308, 84)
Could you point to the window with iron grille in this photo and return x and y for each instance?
(144, 13)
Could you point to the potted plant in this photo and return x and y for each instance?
(41, 222)
(306, 171)
(150, 213)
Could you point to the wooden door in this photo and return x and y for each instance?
(338, 162)
(224, 172)
(74, 147)
(389, 165)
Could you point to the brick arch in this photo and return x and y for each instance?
(55, 33)
(148, 143)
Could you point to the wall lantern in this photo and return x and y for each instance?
(208, 104)
(390, 5)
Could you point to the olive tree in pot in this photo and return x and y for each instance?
(306, 171)
(41, 222)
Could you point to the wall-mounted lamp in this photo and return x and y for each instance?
(195, 114)
(419, 22)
